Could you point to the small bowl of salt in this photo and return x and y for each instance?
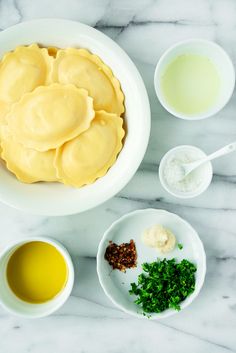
(170, 172)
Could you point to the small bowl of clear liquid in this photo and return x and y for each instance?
(194, 79)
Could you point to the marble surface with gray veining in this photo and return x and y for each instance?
(89, 322)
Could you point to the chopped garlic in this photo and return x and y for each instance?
(160, 238)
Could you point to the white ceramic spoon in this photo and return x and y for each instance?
(189, 167)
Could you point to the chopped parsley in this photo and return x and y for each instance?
(180, 246)
(164, 284)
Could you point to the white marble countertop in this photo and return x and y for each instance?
(88, 322)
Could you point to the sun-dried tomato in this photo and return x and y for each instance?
(121, 256)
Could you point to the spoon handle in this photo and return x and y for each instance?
(221, 152)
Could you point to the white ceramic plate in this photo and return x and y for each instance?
(116, 284)
(57, 199)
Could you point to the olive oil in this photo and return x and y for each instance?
(36, 272)
(191, 84)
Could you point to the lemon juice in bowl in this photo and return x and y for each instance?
(191, 84)
(194, 79)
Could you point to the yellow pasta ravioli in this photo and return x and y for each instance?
(85, 70)
(4, 110)
(50, 115)
(59, 115)
(87, 157)
(21, 71)
(28, 165)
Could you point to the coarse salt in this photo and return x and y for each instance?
(173, 172)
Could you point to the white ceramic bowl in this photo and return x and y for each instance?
(217, 55)
(205, 170)
(21, 308)
(57, 199)
(116, 284)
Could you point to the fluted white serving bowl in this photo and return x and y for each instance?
(54, 199)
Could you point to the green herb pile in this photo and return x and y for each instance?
(164, 284)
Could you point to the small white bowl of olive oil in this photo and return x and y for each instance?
(194, 79)
(36, 275)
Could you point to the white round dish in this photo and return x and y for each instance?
(217, 55)
(56, 199)
(205, 171)
(116, 284)
(18, 307)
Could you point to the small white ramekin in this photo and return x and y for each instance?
(18, 307)
(205, 48)
(207, 169)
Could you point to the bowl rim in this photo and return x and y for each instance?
(157, 73)
(117, 184)
(169, 312)
(66, 290)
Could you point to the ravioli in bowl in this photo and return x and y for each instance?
(21, 71)
(86, 70)
(74, 117)
(60, 115)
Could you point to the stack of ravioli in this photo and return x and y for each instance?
(60, 115)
